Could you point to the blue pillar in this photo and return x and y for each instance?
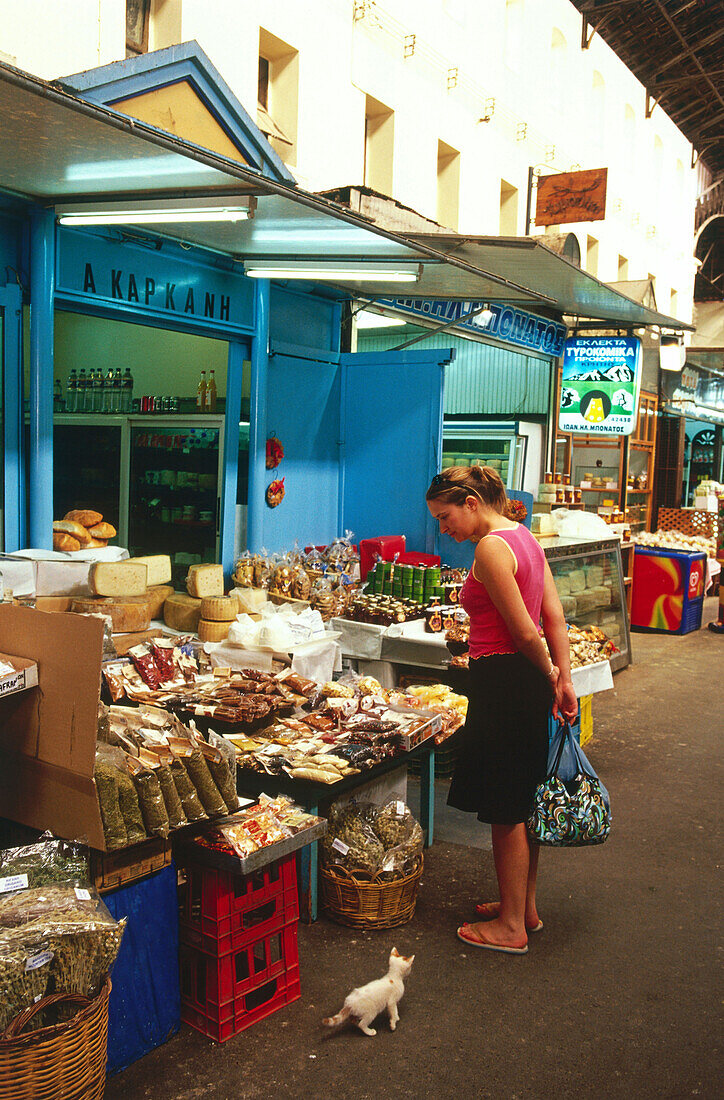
(40, 455)
(11, 303)
(257, 418)
(234, 378)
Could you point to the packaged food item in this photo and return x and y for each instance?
(171, 799)
(47, 860)
(106, 781)
(190, 800)
(244, 571)
(144, 662)
(200, 776)
(150, 798)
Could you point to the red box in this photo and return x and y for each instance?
(223, 995)
(221, 900)
(384, 547)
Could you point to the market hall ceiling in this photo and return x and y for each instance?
(676, 49)
(57, 149)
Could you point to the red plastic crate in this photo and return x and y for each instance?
(223, 995)
(221, 912)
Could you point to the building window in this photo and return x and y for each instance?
(508, 209)
(379, 146)
(137, 19)
(598, 106)
(448, 185)
(278, 111)
(592, 256)
(622, 269)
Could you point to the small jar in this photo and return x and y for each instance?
(558, 477)
(549, 477)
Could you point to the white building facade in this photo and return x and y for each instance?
(443, 104)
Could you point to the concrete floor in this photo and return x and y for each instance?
(619, 995)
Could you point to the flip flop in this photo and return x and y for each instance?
(486, 912)
(482, 942)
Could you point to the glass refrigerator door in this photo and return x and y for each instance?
(590, 586)
(174, 488)
(469, 445)
(87, 462)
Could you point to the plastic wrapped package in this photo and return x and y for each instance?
(106, 781)
(200, 776)
(171, 799)
(262, 568)
(150, 798)
(244, 571)
(342, 553)
(224, 771)
(64, 930)
(112, 771)
(190, 800)
(401, 835)
(351, 840)
(47, 860)
(280, 581)
(24, 972)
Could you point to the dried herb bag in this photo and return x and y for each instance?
(187, 793)
(152, 804)
(174, 808)
(224, 780)
(114, 827)
(202, 780)
(130, 808)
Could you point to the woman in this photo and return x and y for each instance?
(508, 593)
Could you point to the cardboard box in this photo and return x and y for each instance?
(48, 736)
(24, 677)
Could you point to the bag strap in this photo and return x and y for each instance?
(565, 733)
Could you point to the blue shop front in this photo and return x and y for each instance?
(111, 339)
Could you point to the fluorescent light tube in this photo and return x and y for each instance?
(359, 274)
(153, 217)
(367, 320)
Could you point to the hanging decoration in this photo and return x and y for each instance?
(275, 492)
(274, 452)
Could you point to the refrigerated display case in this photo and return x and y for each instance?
(500, 446)
(156, 478)
(589, 579)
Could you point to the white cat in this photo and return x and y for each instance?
(364, 1004)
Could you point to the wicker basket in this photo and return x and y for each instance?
(65, 1060)
(369, 901)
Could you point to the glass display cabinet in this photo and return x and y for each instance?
(502, 448)
(590, 582)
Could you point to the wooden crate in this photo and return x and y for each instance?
(689, 521)
(110, 870)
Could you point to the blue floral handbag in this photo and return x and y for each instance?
(571, 808)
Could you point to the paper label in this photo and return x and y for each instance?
(38, 998)
(34, 961)
(81, 894)
(340, 846)
(12, 683)
(400, 809)
(13, 882)
(389, 864)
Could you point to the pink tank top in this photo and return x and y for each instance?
(488, 631)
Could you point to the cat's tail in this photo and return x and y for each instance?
(341, 1018)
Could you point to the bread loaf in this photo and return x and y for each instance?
(205, 580)
(182, 612)
(75, 530)
(64, 542)
(117, 578)
(158, 566)
(210, 631)
(93, 544)
(128, 614)
(103, 531)
(221, 609)
(84, 516)
(157, 595)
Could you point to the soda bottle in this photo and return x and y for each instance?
(127, 403)
(201, 393)
(71, 392)
(108, 392)
(82, 391)
(210, 395)
(117, 390)
(98, 391)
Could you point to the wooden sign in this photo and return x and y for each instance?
(571, 197)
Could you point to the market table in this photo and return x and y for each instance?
(311, 795)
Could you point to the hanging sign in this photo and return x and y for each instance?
(507, 324)
(571, 197)
(600, 385)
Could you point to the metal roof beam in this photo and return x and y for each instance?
(689, 50)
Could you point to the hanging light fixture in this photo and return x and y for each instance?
(672, 353)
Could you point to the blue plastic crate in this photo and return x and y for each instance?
(145, 1005)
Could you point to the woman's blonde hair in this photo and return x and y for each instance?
(456, 483)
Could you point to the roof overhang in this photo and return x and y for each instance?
(57, 149)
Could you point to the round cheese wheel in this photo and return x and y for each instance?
(210, 631)
(127, 614)
(221, 609)
(182, 612)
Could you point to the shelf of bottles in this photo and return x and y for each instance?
(94, 392)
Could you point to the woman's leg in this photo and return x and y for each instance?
(512, 857)
(532, 919)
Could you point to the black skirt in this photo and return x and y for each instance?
(504, 755)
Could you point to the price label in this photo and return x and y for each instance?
(34, 961)
(340, 846)
(13, 882)
(81, 894)
(400, 809)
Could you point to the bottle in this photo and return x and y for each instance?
(71, 396)
(98, 391)
(57, 396)
(201, 393)
(127, 403)
(108, 392)
(82, 391)
(117, 390)
(210, 395)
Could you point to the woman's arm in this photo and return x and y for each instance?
(493, 566)
(554, 628)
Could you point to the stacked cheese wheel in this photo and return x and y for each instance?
(131, 593)
(81, 529)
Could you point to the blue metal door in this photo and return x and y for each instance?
(12, 498)
(391, 442)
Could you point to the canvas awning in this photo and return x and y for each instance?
(58, 149)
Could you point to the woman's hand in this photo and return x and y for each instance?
(565, 702)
